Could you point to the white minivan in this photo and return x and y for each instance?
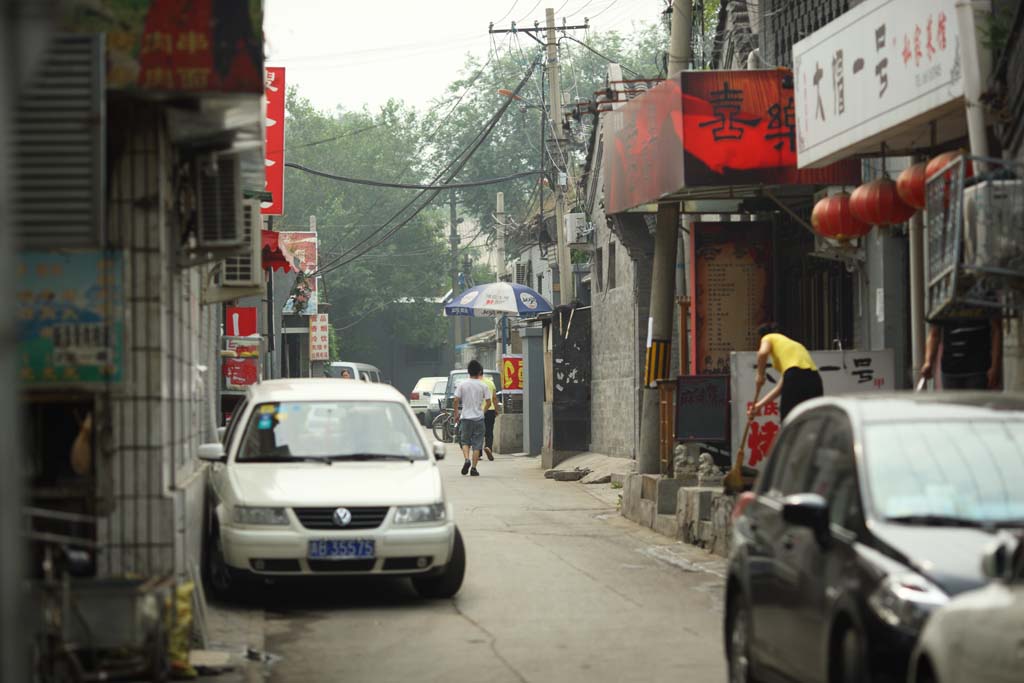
(360, 371)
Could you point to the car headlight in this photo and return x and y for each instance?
(261, 516)
(417, 514)
(906, 600)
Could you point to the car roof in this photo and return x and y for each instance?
(322, 389)
(464, 371)
(924, 406)
(353, 364)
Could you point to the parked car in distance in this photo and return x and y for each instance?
(360, 371)
(434, 402)
(420, 395)
(872, 512)
(457, 377)
(979, 635)
(319, 477)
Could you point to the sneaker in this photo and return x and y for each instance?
(490, 455)
(474, 473)
(465, 467)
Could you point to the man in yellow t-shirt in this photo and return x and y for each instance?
(490, 415)
(798, 375)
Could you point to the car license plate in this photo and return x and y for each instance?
(341, 549)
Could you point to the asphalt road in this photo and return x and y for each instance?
(559, 587)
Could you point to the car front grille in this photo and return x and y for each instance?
(323, 518)
(342, 565)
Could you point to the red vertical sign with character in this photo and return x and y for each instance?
(273, 172)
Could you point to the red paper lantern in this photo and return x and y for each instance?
(936, 164)
(910, 185)
(831, 218)
(878, 203)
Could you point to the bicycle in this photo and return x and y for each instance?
(444, 426)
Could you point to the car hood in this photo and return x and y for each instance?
(950, 557)
(375, 483)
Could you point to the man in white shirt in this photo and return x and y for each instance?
(474, 398)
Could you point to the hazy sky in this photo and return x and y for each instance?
(356, 52)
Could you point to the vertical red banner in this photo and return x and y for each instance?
(273, 172)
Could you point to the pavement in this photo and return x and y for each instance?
(559, 587)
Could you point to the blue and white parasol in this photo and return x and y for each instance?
(497, 299)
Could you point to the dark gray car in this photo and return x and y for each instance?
(872, 512)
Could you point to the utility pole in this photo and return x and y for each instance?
(666, 236)
(453, 241)
(565, 279)
(499, 216)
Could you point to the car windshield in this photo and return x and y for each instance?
(947, 472)
(332, 430)
(439, 387)
(461, 377)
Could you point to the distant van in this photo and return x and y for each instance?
(361, 371)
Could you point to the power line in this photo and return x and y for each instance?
(409, 186)
(454, 167)
(505, 15)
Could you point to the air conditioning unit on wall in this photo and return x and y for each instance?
(219, 203)
(246, 270)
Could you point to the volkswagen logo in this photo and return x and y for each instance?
(342, 517)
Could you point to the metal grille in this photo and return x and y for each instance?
(220, 202)
(245, 270)
(342, 565)
(59, 143)
(323, 518)
(785, 22)
(975, 255)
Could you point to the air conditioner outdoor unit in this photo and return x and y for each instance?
(246, 270)
(219, 195)
(993, 220)
(521, 269)
(575, 227)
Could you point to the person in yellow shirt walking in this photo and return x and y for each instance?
(490, 415)
(798, 375)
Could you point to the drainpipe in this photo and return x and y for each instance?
(977, 64)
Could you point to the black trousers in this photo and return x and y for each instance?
(489, 418)
(798, 385)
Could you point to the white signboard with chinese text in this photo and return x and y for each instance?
(319, 338)
(842, 372)
(875, 69)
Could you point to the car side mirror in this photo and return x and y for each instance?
(221, 431)
(439, 450)
(212, 452)
(807, 510)
(997, 561)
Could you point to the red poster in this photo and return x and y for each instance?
(273, 171)
(240, 372)
(240, 321)
(512, 374)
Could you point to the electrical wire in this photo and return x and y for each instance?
(452, 171)
(408, 186)
(505, 15)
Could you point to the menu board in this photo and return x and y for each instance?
(731, 285)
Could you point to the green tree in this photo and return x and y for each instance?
(351, 217)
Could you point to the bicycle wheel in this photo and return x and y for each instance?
(440, 427)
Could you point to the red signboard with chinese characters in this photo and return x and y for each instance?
(512, 374)
(319, 337)
(174, 46)
(709, 129)
(273, 165)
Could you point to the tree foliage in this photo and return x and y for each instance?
(399, 144)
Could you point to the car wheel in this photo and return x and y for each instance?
(738, 645)
(224, 581)
(447, 583)
(852, 657)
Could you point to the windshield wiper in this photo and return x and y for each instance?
(937, 520)
(287, 458)
(370, 456)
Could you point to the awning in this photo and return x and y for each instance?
(276, 256)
